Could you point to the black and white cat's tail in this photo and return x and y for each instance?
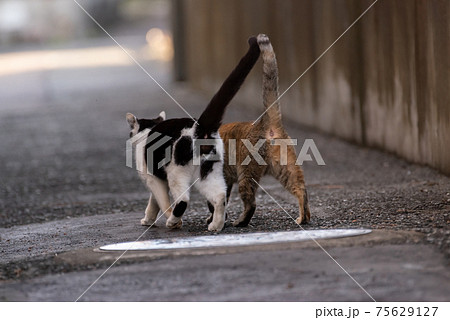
(211, 118)
(272, 114)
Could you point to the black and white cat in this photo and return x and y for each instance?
(180, 172)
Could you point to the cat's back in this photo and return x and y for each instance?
(235, 130)
(173, 127)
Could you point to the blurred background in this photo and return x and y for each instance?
(49, 22)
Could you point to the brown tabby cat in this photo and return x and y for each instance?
(268, 127)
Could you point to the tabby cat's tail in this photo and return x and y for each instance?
(211, 118)
(272, 114)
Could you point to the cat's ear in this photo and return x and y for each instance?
(162, 115)
(132, 120)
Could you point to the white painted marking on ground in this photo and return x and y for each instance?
(233, 240)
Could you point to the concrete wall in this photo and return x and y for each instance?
(386, 83)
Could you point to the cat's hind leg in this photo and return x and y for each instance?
(151, 212)
(213, 187)
(159, 200)
(247, 191)
(292, 179)
(179, 178)
(211, 207)
(160, 192)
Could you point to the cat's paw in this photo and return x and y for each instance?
(174, 222)
(145, 222)
(216, 227)
(301, 220)
(308, 214)
(240, 223)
